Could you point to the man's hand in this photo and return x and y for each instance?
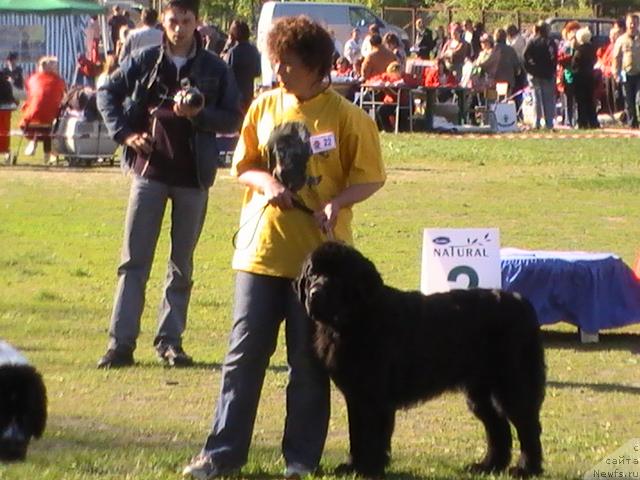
(140, 142)
(182, 109)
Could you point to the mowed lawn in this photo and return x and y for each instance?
(60, 234)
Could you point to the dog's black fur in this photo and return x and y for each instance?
(386, 349)
(23, 408)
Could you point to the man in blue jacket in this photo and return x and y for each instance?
(165, 105)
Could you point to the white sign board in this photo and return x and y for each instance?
(460, 258)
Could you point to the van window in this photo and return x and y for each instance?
(361, 17)
(605, 28)
(322, 13)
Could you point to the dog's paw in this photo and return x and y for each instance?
(345, 469)
(484, 468)
(520, 472)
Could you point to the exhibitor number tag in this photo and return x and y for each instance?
(322, 142)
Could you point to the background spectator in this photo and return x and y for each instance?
(385, 113)
(115, 22)
(353, 46)
(13, 72)
(502, 64)
(626, 66)
(455, 50)
(244, 59)
(582, 65)
(516, 40)
(565, 82)
(540, 61)
(424, 42)
(392, 42)
(378, 59)
(45, 90)
(7, 104)
(366, 43)
(142, 37)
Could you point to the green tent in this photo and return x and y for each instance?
(34, 28)
(51, 6)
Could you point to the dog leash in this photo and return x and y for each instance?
(299, 204)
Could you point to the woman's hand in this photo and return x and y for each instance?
(277, 194)
(327, 216)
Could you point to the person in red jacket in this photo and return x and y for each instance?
(398, 83)
(440, 76)
(45, 90)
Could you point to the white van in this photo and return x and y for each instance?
(339, 17)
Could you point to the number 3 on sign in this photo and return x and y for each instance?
(464, 270)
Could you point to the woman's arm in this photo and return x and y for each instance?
(263, 182)
(328, 214)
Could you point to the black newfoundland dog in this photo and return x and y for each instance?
(387, 349)
(23, 404)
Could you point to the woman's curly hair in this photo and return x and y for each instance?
(307, 39)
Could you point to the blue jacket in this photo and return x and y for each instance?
(125, 99)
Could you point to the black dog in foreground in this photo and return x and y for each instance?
(23, 404)
(387, 349)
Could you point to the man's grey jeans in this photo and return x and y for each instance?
(544, 97)
(147, 203)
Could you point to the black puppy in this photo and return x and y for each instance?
(23, 404)
(289, 152)
(387, 349)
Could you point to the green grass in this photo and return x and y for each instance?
(60, 233)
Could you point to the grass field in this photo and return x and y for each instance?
(60, 234)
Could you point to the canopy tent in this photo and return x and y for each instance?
(34, 28)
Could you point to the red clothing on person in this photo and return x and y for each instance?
(605, 59)
(431, 78)
(391, 80)
(44, 96)
(5, 127)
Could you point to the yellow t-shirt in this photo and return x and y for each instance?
(275, 242)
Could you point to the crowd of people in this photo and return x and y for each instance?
(569, 71)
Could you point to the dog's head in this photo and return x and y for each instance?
(23, 407)
(336, 280)
(289, 151)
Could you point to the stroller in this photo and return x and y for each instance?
(79, 135)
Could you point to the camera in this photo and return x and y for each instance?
(189, 95)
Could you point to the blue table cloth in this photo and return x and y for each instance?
(593, 291)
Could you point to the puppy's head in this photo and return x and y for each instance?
(23, 409)
(336, 280)
(289, 152)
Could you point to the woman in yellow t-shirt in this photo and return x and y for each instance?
(344, 168)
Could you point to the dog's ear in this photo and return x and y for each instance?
(37, 405)
(366, 280)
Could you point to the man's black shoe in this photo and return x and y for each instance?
(116, 358)
(173, 356)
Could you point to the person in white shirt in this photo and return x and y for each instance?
(516, 41)
(365, 48)
(352, 47)
(148, 35)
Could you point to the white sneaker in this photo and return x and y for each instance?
(30, 149)
(296, 471)
(203, 468)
